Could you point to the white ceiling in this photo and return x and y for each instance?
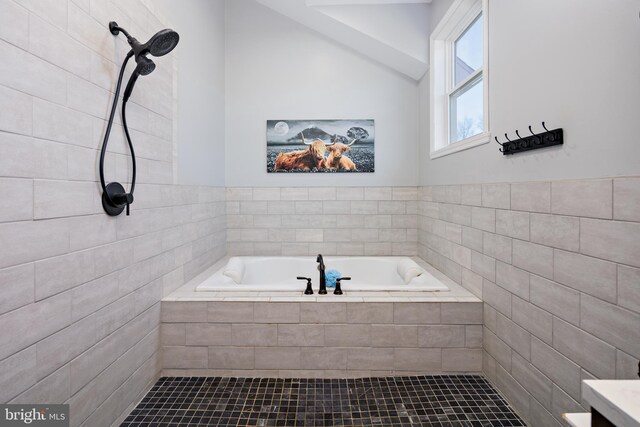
(392, 32)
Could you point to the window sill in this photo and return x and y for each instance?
(465, 144)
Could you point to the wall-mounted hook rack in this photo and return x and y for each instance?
(546, 139)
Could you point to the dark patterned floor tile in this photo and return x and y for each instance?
(430, 400)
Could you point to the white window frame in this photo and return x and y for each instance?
(456, 21)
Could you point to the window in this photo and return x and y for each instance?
(459, 79)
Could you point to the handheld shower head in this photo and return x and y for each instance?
(163, 42)
(145, 66)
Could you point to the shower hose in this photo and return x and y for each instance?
(117, 197)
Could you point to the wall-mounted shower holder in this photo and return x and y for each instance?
(116, 199)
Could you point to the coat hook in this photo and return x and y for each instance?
(526, 143)
(545, 128)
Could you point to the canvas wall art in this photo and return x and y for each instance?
(321, 146)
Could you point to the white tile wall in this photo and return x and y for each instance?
(330, 220)
(80, 308)
(282, 339)
(556, 264)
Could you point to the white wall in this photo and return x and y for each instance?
(437, 9)
(277, 69)
(201, 88)
(403, 26)
(574, 64)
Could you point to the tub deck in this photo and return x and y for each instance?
(456, 293)
(288, 334)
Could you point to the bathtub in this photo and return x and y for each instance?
(278, 273)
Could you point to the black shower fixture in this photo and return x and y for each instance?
(114, 197)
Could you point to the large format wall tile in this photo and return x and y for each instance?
(329, 220)
(556, 264)
(14, 24)
(592, 354)
(29, 74)
(17, 110)
(615, 325)
(626, 198)
(586, 198)
(531, 196)
(353, 339)
(628, 288)
(556, 231)
(534, 258)
(589, 275)
(611, 240)
(81, 290)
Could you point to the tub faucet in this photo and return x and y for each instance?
(323, 281)
(309, 289)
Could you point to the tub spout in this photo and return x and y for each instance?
(323, 281)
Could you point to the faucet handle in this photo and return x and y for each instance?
(338, 290)
(309, 290)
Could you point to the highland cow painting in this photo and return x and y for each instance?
(320, 146)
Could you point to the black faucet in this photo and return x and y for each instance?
(323, 280)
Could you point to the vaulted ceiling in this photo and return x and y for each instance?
(394, 33)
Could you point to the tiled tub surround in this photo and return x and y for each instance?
(328, 220)
(80, 311)
(288, 334)
(326, 339)
(557, 265)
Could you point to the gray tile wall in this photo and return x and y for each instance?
(557, 265)
(80, 311)
(327, 220)
(320, 339)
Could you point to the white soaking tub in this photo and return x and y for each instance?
(278, 273)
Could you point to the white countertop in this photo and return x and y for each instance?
(582, 419)
(617, 400)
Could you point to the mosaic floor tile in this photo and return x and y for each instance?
(431, 400)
